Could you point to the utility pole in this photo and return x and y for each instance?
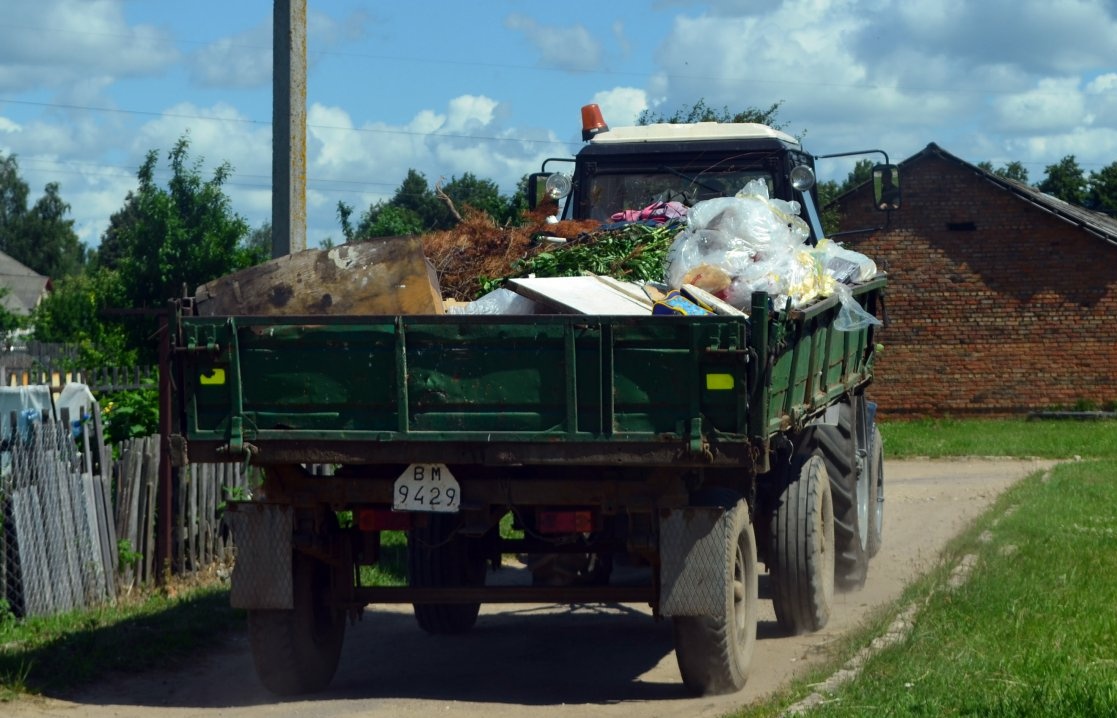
(288, 204)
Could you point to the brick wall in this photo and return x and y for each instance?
(995, 307)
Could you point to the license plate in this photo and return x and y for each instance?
(427, 487)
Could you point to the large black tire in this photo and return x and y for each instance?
(297, 651)
(437, 558)
(850, 491)
(714, 653)
(801, 559)
(876, 493)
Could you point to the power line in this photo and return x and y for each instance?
(266, 123)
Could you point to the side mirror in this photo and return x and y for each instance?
(886, 187)
(537, 189)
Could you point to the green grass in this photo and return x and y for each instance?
(56, 653)
(937, 438)
(1033, 632)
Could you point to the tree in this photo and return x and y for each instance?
(830, 190)
(385, 219)
(39, 236)
(701, 112)
(1066, 181)
(109, 252)
(480, 194)
(256, 247)
(1013, 170)
(74, 313)
(180, 236)
(1103, 190)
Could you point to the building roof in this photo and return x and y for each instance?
(25, 286)
(1097, 223)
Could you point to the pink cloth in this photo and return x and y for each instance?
(657, 212)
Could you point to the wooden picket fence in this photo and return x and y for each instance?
(199, 540)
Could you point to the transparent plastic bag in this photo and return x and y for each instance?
(498, 301)
(852, 316)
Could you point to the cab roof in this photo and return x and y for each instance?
(668, 132)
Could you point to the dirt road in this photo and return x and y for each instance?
(556, 660)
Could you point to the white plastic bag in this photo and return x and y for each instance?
(845, 265)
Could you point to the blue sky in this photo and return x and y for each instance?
(87, 87)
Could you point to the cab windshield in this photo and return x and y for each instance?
(610, 193)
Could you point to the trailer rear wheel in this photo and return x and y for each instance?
(297, 651)
(436, 558)
(876, 493)
(850, 491)
(801, 564)
(714, 653)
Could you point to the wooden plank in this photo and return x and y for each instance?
(189, 493)
(386, 275)
(150, 477)
(205, 518)
(580, 295)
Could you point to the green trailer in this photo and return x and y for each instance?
(693, 446)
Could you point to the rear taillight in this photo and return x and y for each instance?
(565, 522)
(383, 520)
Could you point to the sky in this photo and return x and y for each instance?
(89, 87)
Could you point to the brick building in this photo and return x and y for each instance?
(1002, 300)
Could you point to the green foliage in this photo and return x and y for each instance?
(38, 236)
(165, 241)
(256, 247)
(126, 555)
(1066, 181)
(9, 321)
(830, 190)
(132, 413)
(384, 219)
(1012, 170)
(635, 253)
(701, 112)
(1103, 190)
(74, 314)
(181, 236)
(417, 208)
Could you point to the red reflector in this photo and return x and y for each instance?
(383, 520)
(565, 522)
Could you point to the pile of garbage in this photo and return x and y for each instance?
(710, 260)
(734, 246)
(663, 259)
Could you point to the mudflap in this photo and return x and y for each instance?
(694, 546)
(262, 573)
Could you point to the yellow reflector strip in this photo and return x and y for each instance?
(214, 378)
(719, 382)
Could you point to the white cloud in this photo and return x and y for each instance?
(61, 44)
(621, 106)
(570, 48)
(242, 60)
(1052, 106)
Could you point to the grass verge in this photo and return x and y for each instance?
(938, 438)
(1028, 633)
(56, 653)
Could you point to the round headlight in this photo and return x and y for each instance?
(802, 178)
(558, 186)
